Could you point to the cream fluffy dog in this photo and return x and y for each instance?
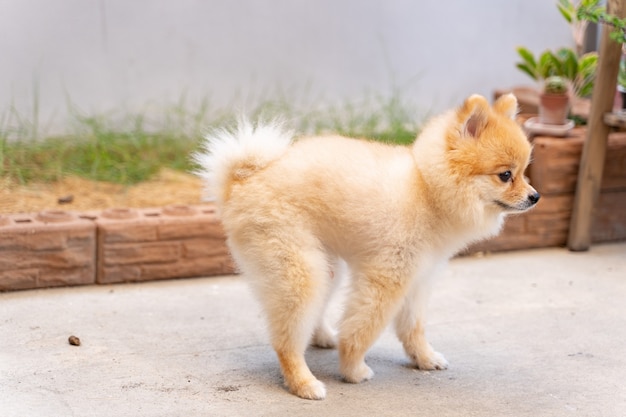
(395, 214)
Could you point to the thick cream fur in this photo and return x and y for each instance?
(394, 214)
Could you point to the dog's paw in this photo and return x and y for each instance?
(358, 373)
(324, 338)
(312, 390)
(431, 362)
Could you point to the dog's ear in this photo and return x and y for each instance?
(506, 105)
(473, 115)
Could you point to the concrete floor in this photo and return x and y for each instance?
(533, 333)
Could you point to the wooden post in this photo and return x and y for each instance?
(594, 148)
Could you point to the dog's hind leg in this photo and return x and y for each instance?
(325, 336)
(292, 291)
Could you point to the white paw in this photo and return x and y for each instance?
(431, 362)
(313, 390)
(324, 338)
(358, 373)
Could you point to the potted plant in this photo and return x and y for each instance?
(554, 101)
(579, 72)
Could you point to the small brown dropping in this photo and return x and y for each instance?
(66, 199)
(74, 341)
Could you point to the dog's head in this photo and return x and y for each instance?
(489, 152)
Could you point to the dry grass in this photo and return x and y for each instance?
(167, 187)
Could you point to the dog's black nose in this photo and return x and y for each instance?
(533, 198)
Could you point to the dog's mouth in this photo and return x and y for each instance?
(508, 207)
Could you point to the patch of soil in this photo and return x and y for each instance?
(79, 194)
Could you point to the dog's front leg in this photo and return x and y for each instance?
(410, 323)
(372, 303)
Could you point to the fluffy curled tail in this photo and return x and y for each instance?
(235, 154)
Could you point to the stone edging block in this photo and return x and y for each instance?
(149, 244)
(56, 248)
(47, 249)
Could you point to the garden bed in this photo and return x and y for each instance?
(68, 243)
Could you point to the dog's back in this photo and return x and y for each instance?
(338, 188)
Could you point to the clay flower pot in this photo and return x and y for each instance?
(553, 108)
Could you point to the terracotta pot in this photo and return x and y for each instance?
(553, 108)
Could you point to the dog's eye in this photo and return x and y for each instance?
(505, 176)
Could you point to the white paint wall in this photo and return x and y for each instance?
(107, 54)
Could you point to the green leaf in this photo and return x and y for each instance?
(569, 63)
(587, 64)
(527, 70)
(621, 75)
(527, 56)
(618, 36)
(589, 3)
(589, 10)
(567, 9)
(565, 13)
(585, 89)
(613, 20)
(554, 62)
(547, 65)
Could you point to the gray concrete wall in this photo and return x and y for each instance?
(110, 54)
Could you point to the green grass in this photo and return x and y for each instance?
(129, 149)
(127, 153)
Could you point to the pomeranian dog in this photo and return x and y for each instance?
(394, 214)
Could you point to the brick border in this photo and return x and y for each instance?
(57, 248)
(46, 249)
